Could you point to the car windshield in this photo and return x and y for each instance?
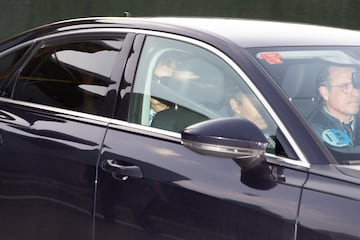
(324, 86)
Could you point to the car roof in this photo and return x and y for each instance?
(261, 33)
(245, 33)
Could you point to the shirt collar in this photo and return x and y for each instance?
(352, 119)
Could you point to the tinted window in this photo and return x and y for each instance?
(8, 61)
(73, 76)
(178, 84)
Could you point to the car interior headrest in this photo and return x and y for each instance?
(205, 84)
(300, 80)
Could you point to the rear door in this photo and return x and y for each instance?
(52, 124)
(152, 187)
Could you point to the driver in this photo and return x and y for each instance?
(337, 121)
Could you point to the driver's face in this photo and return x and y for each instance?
(341, 99)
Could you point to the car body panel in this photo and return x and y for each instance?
(189, 196)
(339, 196)
(49, 156)
(48, 174)
(75, 175)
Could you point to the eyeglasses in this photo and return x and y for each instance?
(345, 87)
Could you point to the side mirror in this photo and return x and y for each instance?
(234, 138)
(356, 80)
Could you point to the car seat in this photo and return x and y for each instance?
(300, 84)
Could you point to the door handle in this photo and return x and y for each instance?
(122, 171)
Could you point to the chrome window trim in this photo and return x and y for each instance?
(145, 130)
(176, 137)
(284, 161)
(303, 160)
(64, 113)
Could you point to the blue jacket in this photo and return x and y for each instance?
(331, 130)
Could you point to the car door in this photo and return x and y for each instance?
(330, 206)
(153, 187)
(53, 120)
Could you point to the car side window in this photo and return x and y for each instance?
(8, 62)
(73, 75)
(178, 84)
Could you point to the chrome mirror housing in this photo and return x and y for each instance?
(234, 138)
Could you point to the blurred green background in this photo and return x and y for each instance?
(20, 15)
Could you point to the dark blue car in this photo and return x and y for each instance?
(175, 128)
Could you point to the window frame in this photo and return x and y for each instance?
(76, 36)
(6, 84)
(301, 160)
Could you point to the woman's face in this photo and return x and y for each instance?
(244, 107)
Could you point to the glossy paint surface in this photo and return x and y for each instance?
(68, 175)
(189, 196)
(47, 175)
(330, 208)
